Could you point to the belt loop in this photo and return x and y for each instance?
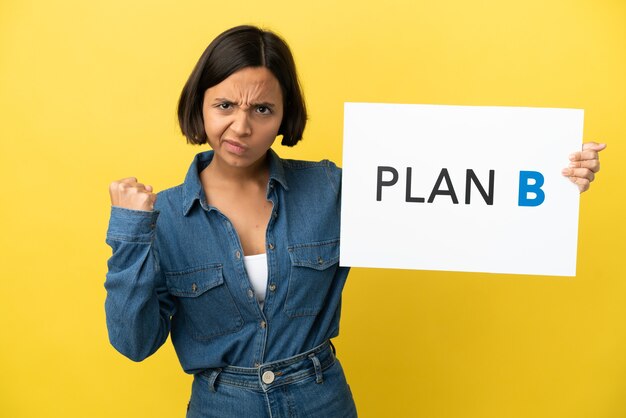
(333, 347)
(212, 378)
(319, 378)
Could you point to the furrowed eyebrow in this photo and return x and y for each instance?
(264, 104)
(226, 100)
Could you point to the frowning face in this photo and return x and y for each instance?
(242, 115)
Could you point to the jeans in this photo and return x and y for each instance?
(311, 384)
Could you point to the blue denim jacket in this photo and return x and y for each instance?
(180, 268)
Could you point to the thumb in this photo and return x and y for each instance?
(593, 146)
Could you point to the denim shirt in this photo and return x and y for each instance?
(180, 268)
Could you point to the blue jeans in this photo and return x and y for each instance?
(311, 384)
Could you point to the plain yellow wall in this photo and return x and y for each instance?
(88, 93)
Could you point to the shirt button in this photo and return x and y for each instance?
(270, 246)
(250, 293)
(194, 288)
(272, 287)
(268, 377)
(238, 254)
(263, 324)
(275, 214)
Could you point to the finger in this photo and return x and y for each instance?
(593, 165)
(128, 180)
(148, 188)
(594, 146)
(132, 188)
(117, 189)
(584, 155)
(124, 187)
(582, 173)
(147, 200)
(118, 185)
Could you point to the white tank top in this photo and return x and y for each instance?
(256, 267)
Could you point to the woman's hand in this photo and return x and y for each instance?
(128, 193)
(584, 165)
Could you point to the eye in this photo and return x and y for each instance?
(264, 110)
(224, 106)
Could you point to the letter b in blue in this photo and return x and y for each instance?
(526, 188)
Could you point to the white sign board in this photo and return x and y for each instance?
(459, 188)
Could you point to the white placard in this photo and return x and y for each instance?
(507, 224)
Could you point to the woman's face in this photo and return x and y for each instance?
(242, 115)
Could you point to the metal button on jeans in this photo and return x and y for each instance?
(268, 377)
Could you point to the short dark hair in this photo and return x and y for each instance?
(232, 50)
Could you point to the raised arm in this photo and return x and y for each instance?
(138, 306)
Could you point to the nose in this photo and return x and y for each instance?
(241, 124)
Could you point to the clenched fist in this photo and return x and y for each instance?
(130, 194)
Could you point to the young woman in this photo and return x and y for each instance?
(240, 262)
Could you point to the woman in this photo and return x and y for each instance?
(240, 262)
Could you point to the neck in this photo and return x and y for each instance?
(223, 173)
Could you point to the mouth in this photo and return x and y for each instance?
(234, 147)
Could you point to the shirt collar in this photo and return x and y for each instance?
(192, 187)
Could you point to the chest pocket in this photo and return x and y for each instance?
(313, 267)
(205, 301)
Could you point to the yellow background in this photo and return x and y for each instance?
(88, 92)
